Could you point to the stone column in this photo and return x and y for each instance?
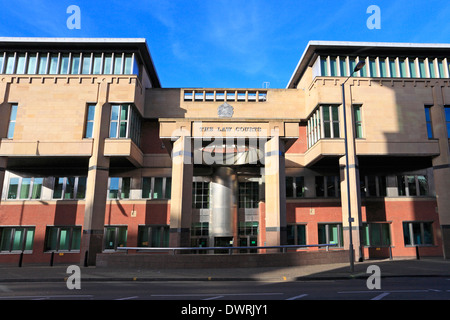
(5, 111)
(275, 192)
(441, 167)
(181, 196)
(3, 163)
(352, 183)
(97, 182)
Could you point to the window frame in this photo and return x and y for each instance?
(120, 189)
(298, 183)
(116, 243)
(411, 235)
(13, 111)
(295, 227)
(403, 184)
(89, 123)
(148, 230)
(358, 123)
(340, 234)
(19, 188)
(64, 187)
(202, 200)
(71, 229)
(12, 236)
(166, 188)
(369, 229)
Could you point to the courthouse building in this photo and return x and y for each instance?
(95, 154)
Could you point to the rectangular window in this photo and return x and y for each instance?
(327, 186)
(330, 121)
(363, 71)
(412, 185)
(97, 64)
(42, 63)
(418, 233)
(125, 123)
(373, 186)
(330, 234)
(343, 66)
(86, 67)
(63, 238)
(422, 71)
(412, 68)
(200, 196)
(377, 235)
(69, 188)
(199, 229)
(295, 187)
(16, 239)
(383, 72)
(10, 60)
(330, 116)
(351, 64)
(248, 195)
(75, 64)
(358, 121)
(65, 61)
(32, 63)
(115, 236)
(21, 59)
(156, 187)
(333, 67)
(323, 66)
(447, 119)
(402, 63)
(2, 60)
(153, 236)
(431, 68)
(428, 122)
(128, 64)
(119, 188)
(24, 188)
(392, 68)
(441, 68)
(107, 65)
(118, 63)
(296, 234)
(90, 121)
(12, 121)
(53, 69)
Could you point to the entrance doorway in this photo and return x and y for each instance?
(223, 242)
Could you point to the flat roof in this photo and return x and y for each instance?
(40, 43)
(314, 48)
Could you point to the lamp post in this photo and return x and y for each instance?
(358, 67)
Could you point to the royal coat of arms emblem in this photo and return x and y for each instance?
(225, 111)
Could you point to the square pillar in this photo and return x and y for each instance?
(275, 192)
(181, 195)
(97, 182)
(350, 185)
(3, 163)
(355, 208)
(441, 168)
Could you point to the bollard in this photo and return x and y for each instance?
(86, 258)
(417, 253)
(20, 259)
(51, 259)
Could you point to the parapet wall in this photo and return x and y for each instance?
(190, 261)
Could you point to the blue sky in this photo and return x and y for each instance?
(229, 43)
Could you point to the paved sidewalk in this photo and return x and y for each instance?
(425, 267)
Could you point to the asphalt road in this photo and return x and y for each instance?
(396, 288)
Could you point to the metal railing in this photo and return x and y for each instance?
(230, 250)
